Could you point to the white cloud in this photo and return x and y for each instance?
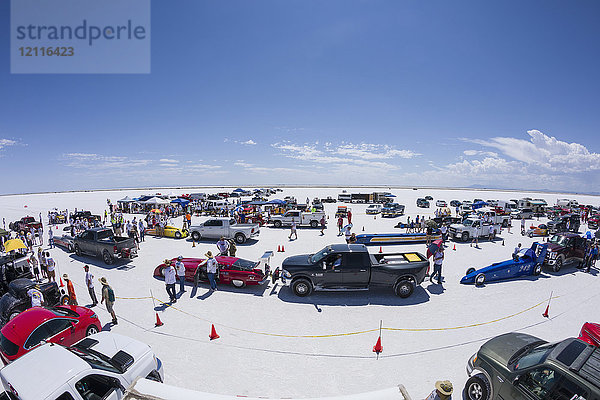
(545, 152)
(249, 142)
(7, 142)
(370, 151)
(480, 153)
(168, 160)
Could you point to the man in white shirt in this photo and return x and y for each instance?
(211, 270)
(438, 258)
(50, 266)
(180, 267)
(170, 280)
(89, 283)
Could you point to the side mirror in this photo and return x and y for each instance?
(116, 383)
(324, 265)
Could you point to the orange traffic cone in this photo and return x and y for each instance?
(279, 249)
(545, 314)
(158, 321)
(282, 249)
(193, 243)
(454, 248)
(61, 283)
(213, 333)
(380, 249)
(378, 348)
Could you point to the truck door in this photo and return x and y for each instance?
(331, 273)
(355, 270)
(579, 248)
(85, 242)
(212, 228)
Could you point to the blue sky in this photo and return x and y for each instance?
(437, 93)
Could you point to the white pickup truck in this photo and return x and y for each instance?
(301, 218)
(214, 228)
(100, 366)
(489, 215)
(471, 228)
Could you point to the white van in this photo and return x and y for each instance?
(218, 205)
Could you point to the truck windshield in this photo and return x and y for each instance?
(560, 240)
(534, 357)
(468, 222)
(315, 258)
(95, 359)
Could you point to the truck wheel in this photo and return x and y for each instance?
(302, 287)
(78, 251)
(240, 238)
(277, 224)
(470, 271)
(14, 313)
(238, 283)
(480, 279)
(196, 236)
(465, 236)
(314, 224)
(108, 259)
(537, 269)
(177, 235)
(70, 248)
(477, 388)
(91, 330)
(404, 288)
(558, 265)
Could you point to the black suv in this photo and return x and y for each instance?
(520, 366)
(564, 223)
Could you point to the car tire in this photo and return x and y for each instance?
(477, 388)
(277, 224)
(196, 236)
(537, 269)
(404, 289)
(64, 300)
(302, 287)
(480, 279)
(107, 258)
(558, 264)
(70, 248)
(14, 313)
(78, 251)
(238, 284)
(470, 271)
(239, 238)
(465, 236)
(530, 234)
(314, 224)
(177, 235)
(91, 330)
(162, 272)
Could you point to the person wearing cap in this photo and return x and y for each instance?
(89, 284)
(70, 290)
(36, 296)
(211, 270)
(108, 296)
(223, 246)
(170, 273)
(51, 267)
(443, 391)
(180, 273)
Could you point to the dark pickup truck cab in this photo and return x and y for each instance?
(101, 242)
(518, 366)
(350, 267)
(16, 299)
(564, 248)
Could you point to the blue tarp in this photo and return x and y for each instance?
(276, 201)
(479, 204)
(183, 202)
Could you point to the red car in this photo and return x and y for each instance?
(232, 270)
(590, 333)
(63, 324)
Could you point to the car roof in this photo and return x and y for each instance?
(40, 365)
(18, 329)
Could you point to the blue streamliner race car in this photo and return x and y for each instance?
(529, 262)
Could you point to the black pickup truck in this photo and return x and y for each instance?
(350, 267)
(101, 242)
(16, 299)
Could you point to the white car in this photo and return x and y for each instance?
(100, 366)
(374, 209)
(440, 203)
